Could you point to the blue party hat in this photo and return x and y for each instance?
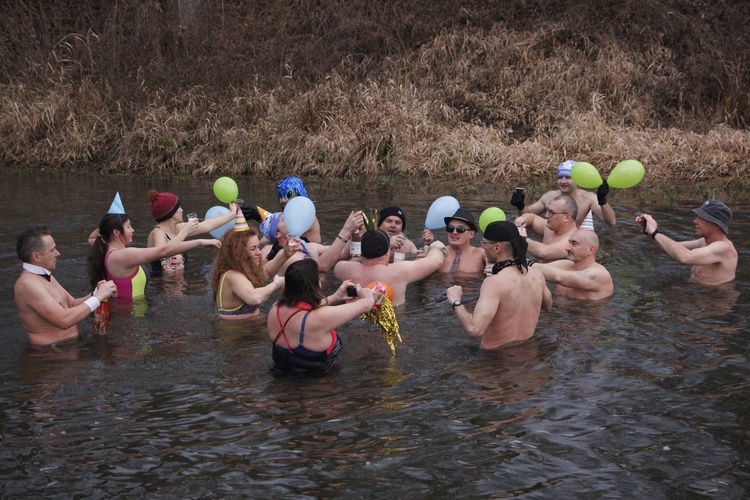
(116, 206)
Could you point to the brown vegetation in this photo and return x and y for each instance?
(501, 90)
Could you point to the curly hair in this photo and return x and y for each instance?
(233, 256)
(302, 284)
(95, 261)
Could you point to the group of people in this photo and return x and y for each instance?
(253, 263)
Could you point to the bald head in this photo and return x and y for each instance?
(586, 237)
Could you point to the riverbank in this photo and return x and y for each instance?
(471, 90)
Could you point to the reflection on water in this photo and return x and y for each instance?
(644, 394)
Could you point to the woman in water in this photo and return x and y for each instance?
(167, 211)
(301, 325)
(238, 276)
(110, 258)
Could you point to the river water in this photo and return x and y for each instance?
(644, 394)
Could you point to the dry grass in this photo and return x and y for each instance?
(476, 92)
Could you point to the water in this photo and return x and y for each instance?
(645, 394)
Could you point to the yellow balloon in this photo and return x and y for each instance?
(585, 175)
(626, 174)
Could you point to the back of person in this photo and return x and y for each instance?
(517, 315)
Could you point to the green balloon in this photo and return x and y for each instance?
(492, 214)
(226, 189)
(626, 174)
(585, 175)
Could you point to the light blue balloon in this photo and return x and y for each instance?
(443, 207)
(218, 211)
(299, 215)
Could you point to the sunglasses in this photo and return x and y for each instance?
(290, 194)
(457, 229)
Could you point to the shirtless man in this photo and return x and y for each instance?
(274, 229)
(511, 299)
(585, 200)
(375, 266)
(558, 223)
(48, 312)
(462, 257)
(580, 276)
(393, 221)
(712, 255)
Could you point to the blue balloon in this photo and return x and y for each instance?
(299, 215)
(218, 211)
(443, 207)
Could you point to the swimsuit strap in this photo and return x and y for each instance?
(281, 331)
(302, 329)
(221, 288)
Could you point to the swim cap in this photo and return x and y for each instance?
(375, 244)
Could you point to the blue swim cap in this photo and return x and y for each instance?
(289, 187)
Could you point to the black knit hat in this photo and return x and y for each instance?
(394, 210)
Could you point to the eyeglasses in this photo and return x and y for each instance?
(457, 229)
(552, 212)
(486, 242)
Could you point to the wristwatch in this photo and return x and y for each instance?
(456, 303)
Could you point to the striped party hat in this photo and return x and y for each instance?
(240, 224)
(588, 222)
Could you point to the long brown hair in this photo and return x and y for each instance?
(95, 261)
(233, 256)
(302, 284)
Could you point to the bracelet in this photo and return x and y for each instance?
(92, 303)
(342, 239)
(656, 231)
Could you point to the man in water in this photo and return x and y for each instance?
(511, 299)
(462, 257)
(558, 223)
(393, 221)
(585, 200)
(375, 266)
(580, 276)
(712, 255)
(48, 312)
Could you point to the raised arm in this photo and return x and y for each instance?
(694, 252)
(209, 225)
(244, 290)
(336, 250)
(421, 268)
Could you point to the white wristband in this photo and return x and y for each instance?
(93, 303)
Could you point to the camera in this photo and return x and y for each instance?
(351, 291)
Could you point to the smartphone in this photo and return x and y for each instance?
(641, 222)
(351, 291)
(519, 190)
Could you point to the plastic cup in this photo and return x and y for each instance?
(192, 216)
(291, 242)
(398, 256)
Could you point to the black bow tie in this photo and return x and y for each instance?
(46, 276)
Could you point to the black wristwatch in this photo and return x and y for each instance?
(455, 304)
